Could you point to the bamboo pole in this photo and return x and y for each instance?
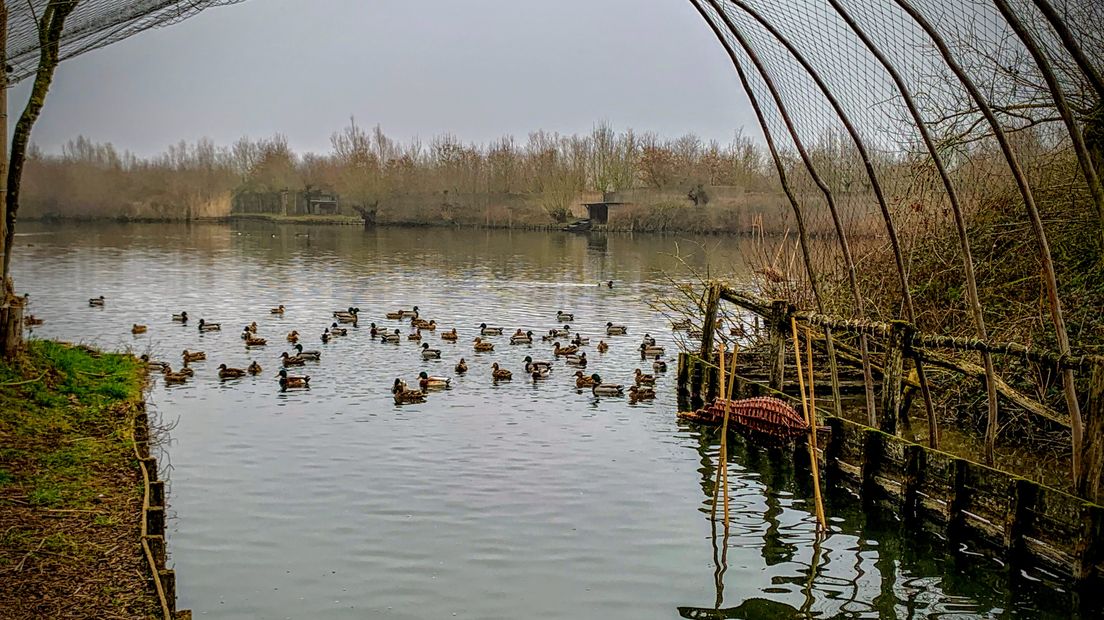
(810, 418)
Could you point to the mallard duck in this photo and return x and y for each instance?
(204, 326)
(681, 325)
(96, 301)
(336, 330)
(500, 374)
(427, 382)
(519, 338)
(583, 381)
(291, 382)
(563, 332)
(187, 370)
(489, 331)
(394, 337)
(737, 331)
(291, 360)
(254, 368)
(172, 378)
(138, 329)
(394, 315)
(326, 336)
(557, 350)
(429, 325)
(189, 356)
(616, 330)
(404, 395)
(602, 346)
(413, 312)
(416, 336)
(550, 336)
(639, 392)
(580, 340)
(430, 354)
(648, 340)
(695, 334)
(605, 389)
(373, 330)
(307, 355)
(481, 345)
(349, 315)
(562, 316)
(609, 284)
(659, 365)
(530, 365)
(461, 367)
(152, 365)
(180, 318)
(643, 379)
(229, 373)
(539, 374)
(579, 359)
(251, 328)
(451, 336)
(293, 336)
(650, 351)
(32, 320)
(253, 341)
(277, 310)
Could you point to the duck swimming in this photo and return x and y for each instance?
(427, 382)
(253, 341)
(650, 351)
(583, 381)
(450, 336)
(530, 365)
(562, 316)
(489, 331)
(579, 359)
(461, 367)
(500, 374)
(639, 392)
(394, 337)
(482, 346)
(659, 365)
(605, 389)
(193, 357)
(291, 382)
(616, 330)
(277, 310)
(430, 354)
(307, 355)
(135, 329)
(403, 395)
(254, 368)
(225, 372)
(204, 326)
(180, 318)
(558, 350)
(289, 360)
(336, 330)
(602, 346)
(96, 301)
(520, 338)
(643, 379)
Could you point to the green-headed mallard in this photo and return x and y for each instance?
(290, 382)
(522, 338)
(561, 332)
(96, 301)
(500, 374)
(229, 373)
(557, 350)
(427, 382)
(583, 381)
(482, 346)
(643, 379)
(489, 331)
(461, 367)
(254, 368)
(639, 392)
(530, 365)
(659, 365)
(277, 310)
(138, 329)
(562, 316)
(616, 330)
(373, 330)
(647, 351)
(602, 346)
(180, 318)
(346, 316)
(394, 337)
(336, 330)
(307, 355)
(430, 354)
(197, 356)
(291, 360)
(204, 326)
(605, 389)
(580, 340)
(450, 336)
(412, 313)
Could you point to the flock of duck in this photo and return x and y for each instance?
(572, 354)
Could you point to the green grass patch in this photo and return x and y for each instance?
(64, 419)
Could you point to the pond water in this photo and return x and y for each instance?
(487, 501)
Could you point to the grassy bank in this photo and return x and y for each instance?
(70, 486)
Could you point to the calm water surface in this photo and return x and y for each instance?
(488, 501)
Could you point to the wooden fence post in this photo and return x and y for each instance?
(1092, 446)
(709, 323)
(779, 326)
(892, 376)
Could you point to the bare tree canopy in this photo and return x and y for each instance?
(91, 25)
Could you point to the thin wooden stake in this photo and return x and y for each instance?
(813, 436)
(821, 525)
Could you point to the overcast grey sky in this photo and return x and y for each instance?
(478, 69)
